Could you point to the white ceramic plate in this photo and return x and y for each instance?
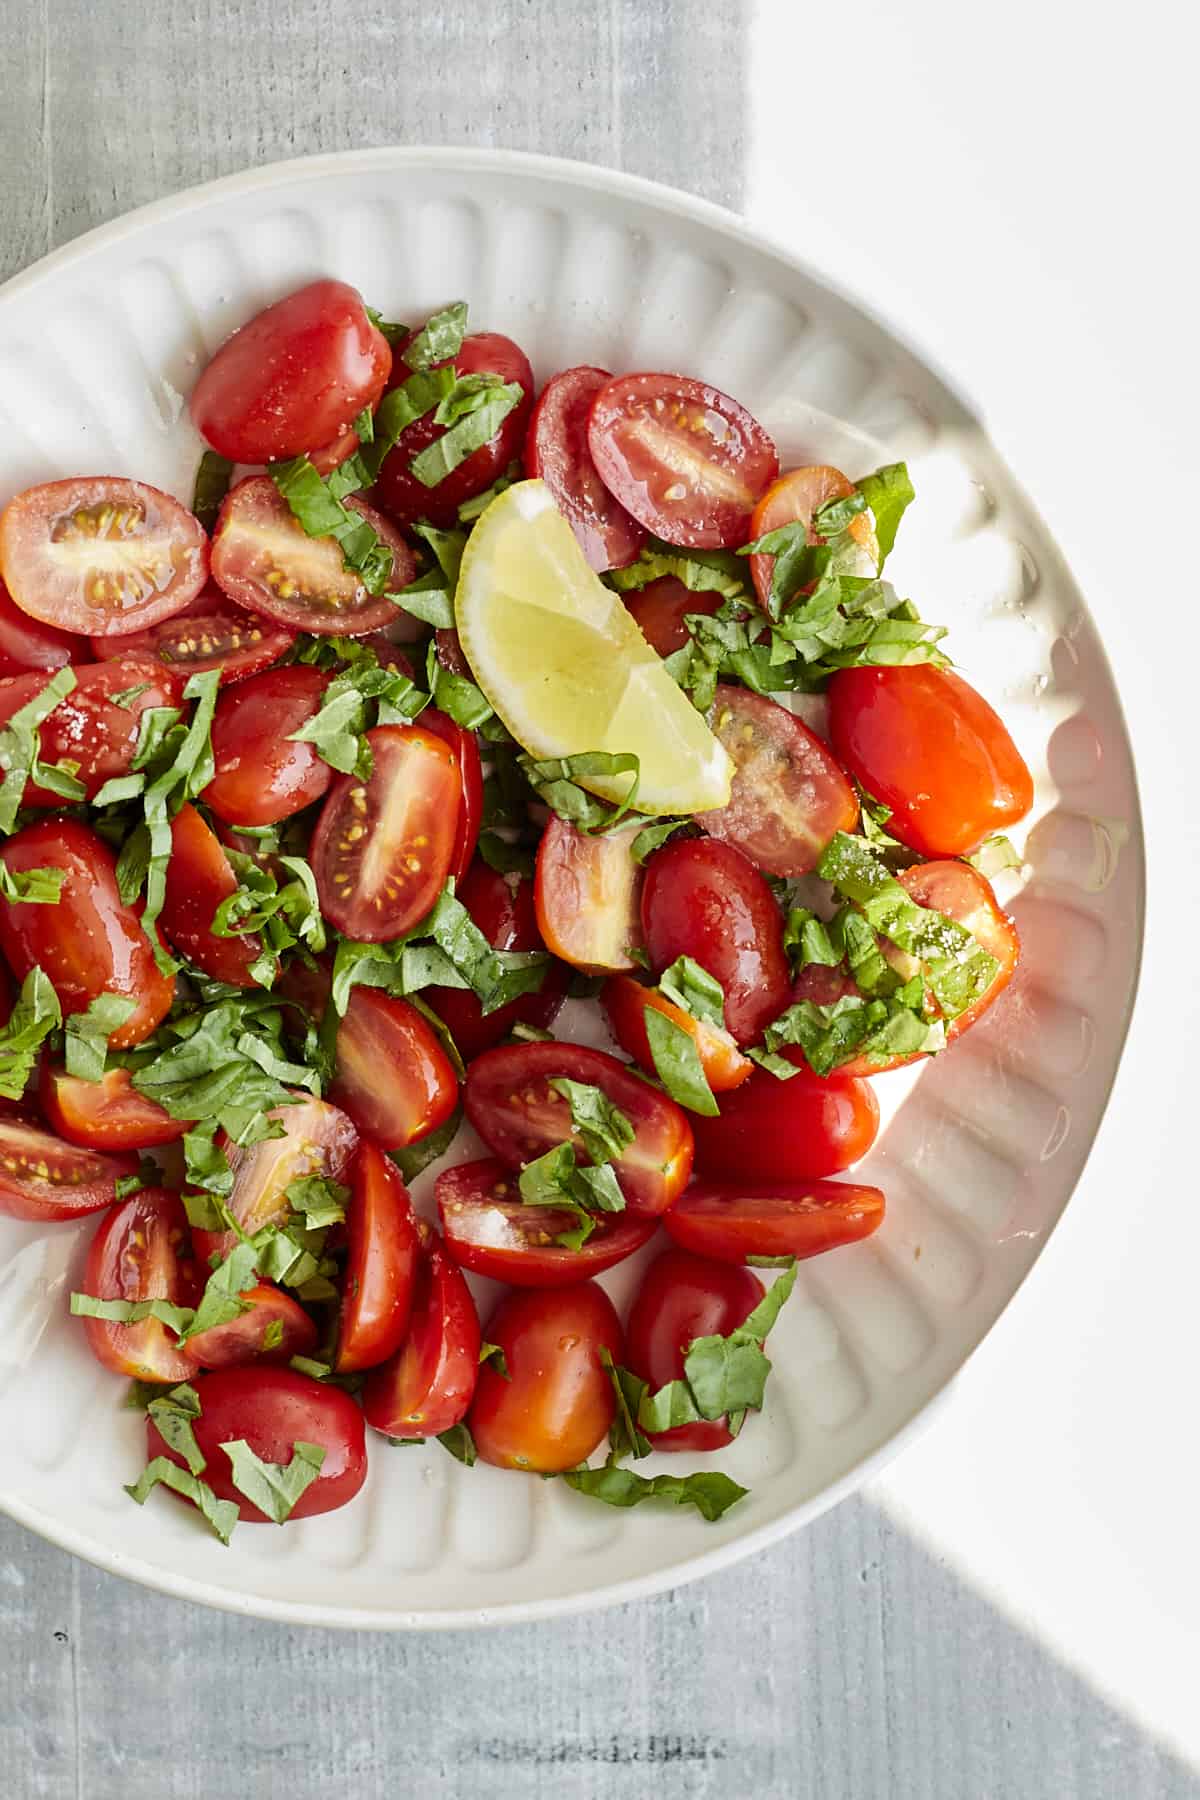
(99, 345)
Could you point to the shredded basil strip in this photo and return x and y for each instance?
(220, 1515)
(723, 1376)
(439, 338)
(31, 887)
(273, 1487)
(470, 432)
(709, 1491)
(212, 485)
(36, 1013)
(87, 1033)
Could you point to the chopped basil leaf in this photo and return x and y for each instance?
(556, 781)
(317, 506)
(709, 1491)
(768, 1262)
(31, 887)
(505, 857)
(273, 1336)
(173, 1414)
(414, 1157)
(281, 917)
(458, 1441)
(494, 1354)
(695, 991)
(132, 1312)
(392, 332)
(148, 1175)
(603, 1129)
(555, 1180)
(993, 856)
(212, 485)
(20, 744)
(320, 1200)
(87, 1034)
(440, 338)
(273, 1487)
(722, 1376)
(454, 694)
(530, 1034)
(469, 433)
(888, 493)
(806, 940)
(36, 1013)
(701, 571)
(836, 515)
(428, 599)
(221, 1515)
(466, 396)
(652, 837)
(677, 1063)
(853, 1026)
(307, 1365)
(61, 778)
(624, 1438)
(221, 1300)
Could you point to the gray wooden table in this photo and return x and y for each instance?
(847, 1664)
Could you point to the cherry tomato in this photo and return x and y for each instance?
(586, 896)
(922, 741)
(90, 942)
(401, 494)
(687, 461)
(382, 849)
(142, 1251)
(294, 377)
(661, 607)
(44, 1179)
(781, 1218)
(100, 555)
(263, 559)
(772, 1130)
(392, 1075)
(198, 879)
(510, 1102)
(490, 1231)
(465, 746)
(788, 797)
(318, 1139)
(557, 1402)
(332, 456)
(502, 907)
(381, 1264)
(211, 633)
(793, 499)
(108, 1114)
(682, 1298)
(426, 1387)
(273, 1410)
(450, 652)
(556, 451)
(262, 776)
(706, 900)
(626, 1002)
(88, 727)
(273, 1329)
(26, 643)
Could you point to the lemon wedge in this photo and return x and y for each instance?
(563, 664)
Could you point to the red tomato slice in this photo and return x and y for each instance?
(26, 643)
(465, 746)
(294, 377)
(198, 879)
(793, 499)
(273, 1330)
(510, 1102)
(502, 907)
(556, 451)
(687, 461)
(782, 1218)
(392, 1075)
(261, 775)
(789, 796)
(100, 555)
(626, 1002)
(42, 1178)
(104, 1115)
(556, 1402)
(661, 607)
(797, 1130)
(490, 1231)
(142, 1251)
(211, 633)
(263, 559)
(86, 727)
(318, 1139)
(381, 1265)
(426, 1387)
(586, 897)
(382, 849)
(683, 1298)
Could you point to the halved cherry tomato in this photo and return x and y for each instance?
(108, 1114)
(100, 555)
(263, 559)
(42, 1178)
(682, 1298)
(211, 633)
(490, 1231)
(381, 1264)
(273, 1410)
(400, 493)
(26, 643)
(502, 907)
(687, 461)
(142, 1251)
(273, 1330)
(89, 942)
(626, 1002)
(518, 1115)
(788, 797)
(783, 1218)
(557, 1402)
(88, 727)
(198, 879)
(318, 1139)
(427, 1385)
(382, 848)
(661, 607)
(332, 456)
(921, 740)
(465, 746)
(706, 900)
(262, 776)
(797, 1130)
(294, 377)
(556, 451)
(793, 499)
(586, 896)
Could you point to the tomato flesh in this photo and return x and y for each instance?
(660, 610)
(426, 1387)
(626, 1003)
(682, 1298)
(211, 633)
(142, 1252)
(793, 499)
(490, 1231)
(556, 452)
(27, 643)
(465, 746)
(381, 1264)
(586, 897)
(199, 878)
(88, 728)
(772, 1130)
(783, 1218)
(318, 1139)
(502, 907)
(109, 1114)
(273, 1329)
(260, 775)
(44, 1179)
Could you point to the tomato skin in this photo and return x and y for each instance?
(510, 1103)
(556, 452)
(86, 727)
(381, 1265)
(104, 1115)
(260, 775)
(242, 1340)
(392, 1077)
(273, 1410)
(626, 1003)
(586, 897)
(465, 746)
(490, 1231)
(75, 1181)
(922, 741)
(558, 1402)
(502, 907)
(198, 879)
(293, 377)
(660, 608)
(90, 942)
(797, 1130)
(793, 499)
(27, 643)
(739, 1219)
(684, 1297)
(426, 1387)
(142, 1252)
(211, 633)
(704, 899)
(318, 1140)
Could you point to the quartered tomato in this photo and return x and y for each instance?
(88, 727)
(426, 1387)
(626, 1002)
(772, 1130)
(263, 559)
(142, 1251)
(381, 1263)
(199, 878)
(556, 452)
(25, 643)
(89, 942)
(382, 848)
(261, 775)
(490, 1231)
(100, 555)
(741, 1219)
(108, 1114)
(465, 746)
(682, 1298)
(660, 609)
(294, 377)
(211, 633)
(392, 1075)
(273, 1329)
(793, 499)
(687, 461)
(586, 896)
(921, 740)
(318, 1139)
(502, 907)
(557, 1402)
(42, 1178)
(706, 900)
(789, 796)
(519, 1116)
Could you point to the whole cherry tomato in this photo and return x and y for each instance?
(261, 774)
(557, 1401)
(682, 1298)
(772, 1130)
